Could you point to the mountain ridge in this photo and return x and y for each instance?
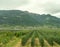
(24, 18)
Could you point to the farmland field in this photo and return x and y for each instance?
(43, 37)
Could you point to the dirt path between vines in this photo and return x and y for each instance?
(48, 45)
(18, 44)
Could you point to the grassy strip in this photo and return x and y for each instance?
(12, 42)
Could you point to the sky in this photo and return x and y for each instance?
(35, 6)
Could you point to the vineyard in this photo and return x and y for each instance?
(46, 37)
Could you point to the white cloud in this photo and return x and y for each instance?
(57, 15)
(12, 4)
(35, 6)
(42, 6)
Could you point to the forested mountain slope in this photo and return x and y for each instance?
(24, 18)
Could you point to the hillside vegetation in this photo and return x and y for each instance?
(24, 18)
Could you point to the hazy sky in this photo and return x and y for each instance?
(35, 6)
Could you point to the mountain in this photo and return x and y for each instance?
(24, 18)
